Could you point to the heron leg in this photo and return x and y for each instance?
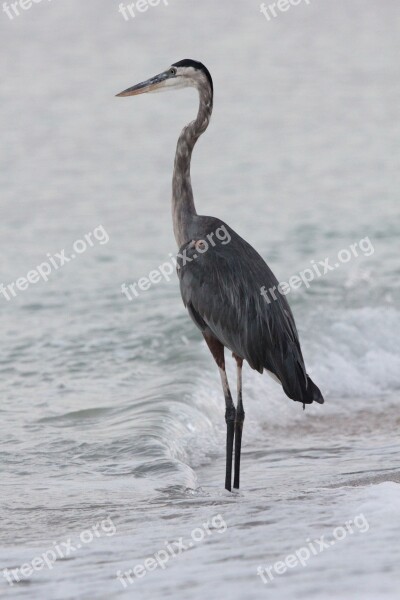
(217, 350)
(238, 422)
(230, 414)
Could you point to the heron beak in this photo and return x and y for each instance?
(151, 85)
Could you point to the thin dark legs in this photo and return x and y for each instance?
(234, 417)
(230, 413)
(238, 422)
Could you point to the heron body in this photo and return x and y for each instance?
(221, 281)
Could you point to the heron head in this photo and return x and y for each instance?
(185, 73)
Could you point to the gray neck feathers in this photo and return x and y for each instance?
(183, 208)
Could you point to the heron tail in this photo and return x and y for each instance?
(302, 389)
(313, 393)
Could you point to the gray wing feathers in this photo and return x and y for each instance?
(222, 291)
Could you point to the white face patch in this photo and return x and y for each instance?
(185, 77)
(174, 83)
(195, 77)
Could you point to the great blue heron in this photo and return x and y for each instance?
(222, 288)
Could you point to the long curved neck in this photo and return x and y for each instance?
(183, 208)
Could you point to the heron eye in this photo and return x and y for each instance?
(172, 71)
